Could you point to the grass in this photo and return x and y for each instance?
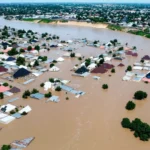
(29, 19)
(140, 33)
(46, 21)
(115, 27)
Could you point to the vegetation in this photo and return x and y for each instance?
(52, 65)
(51, 80)
(34, 91)
(129, 68)
(130, 105)
(48, 95)
(6, 147)
(20, 61)
(58, 88)
(43, 58)
(72, 55)
(67, 98)
(26, 94)
(115, 27)
(140, 129)
(36, 63)
(139, 95)
(105, 86)
(1, 95)
(29, 48)
(5, 84)
(87, 62)
(37, 47)
(113, 70)
(24, 113)
(12, 52)
(42, 85)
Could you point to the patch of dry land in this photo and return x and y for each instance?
(84, 24)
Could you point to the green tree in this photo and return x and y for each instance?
(58, 88)
(72, 55)
(5, 84)
(130, 105)
(36, 63)
(48, 95)
(34, 91)
(12, 52)
(105, 86)
(126, 123)
(129, 68)
(139, 95)
(113, 70)
(20, 61)
(29, 48)
(37, 47)
(6, 147)
(51, 65)
(1, 95)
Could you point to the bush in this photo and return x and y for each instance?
(12, 112)
(67, 98)
(126, 123)
(51, 65)
(105, 86)
(58, 88)
(139, 95)
(42, 85)
(1, 95)
(36, 63)
(51, 80)
(129, 68)
(37, 47)
(24, 113)
(29, 48)
(12, 52)
(141, 129)
(130, 105)
(72, 55)
(48, 95)
(26, 94)
(5, 84)
(6, 147)
(34, 91)
(113, 71)
(80, 58)
(20, 61)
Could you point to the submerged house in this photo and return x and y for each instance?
(22, 72)
(82, 70)
(146, 57)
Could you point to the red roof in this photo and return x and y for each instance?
(121, 65)
(99, 70)
(135, 54)
(129, 53)
(146, 57)
(2, 69)
(3, 89)
(107, 66)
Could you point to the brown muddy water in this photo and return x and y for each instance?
(91, 122)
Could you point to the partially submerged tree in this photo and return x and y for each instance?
(58, 88)
(130, 105)
(139, 95)
(105, 86)
(129, 68)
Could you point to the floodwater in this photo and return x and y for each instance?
(91, 122)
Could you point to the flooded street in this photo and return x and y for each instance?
(93, 121)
